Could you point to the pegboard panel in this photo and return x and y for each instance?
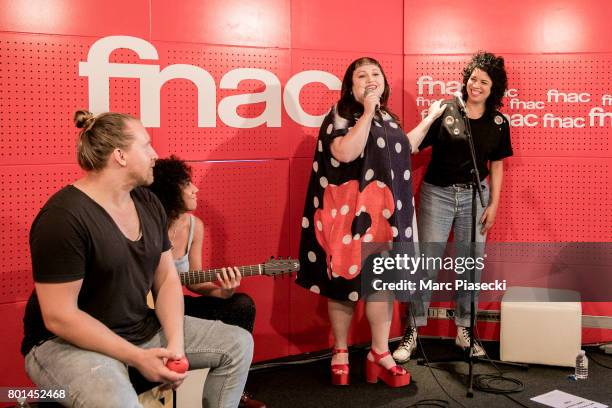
(419, 162)
(259, 23)
(593, 258)
(12, 371)
(555, 200)
(418, 97)
(558, 105)
(311, 329)
(273, 302)
(347, 25)
(124, 93)
(69, 17)
(25, 189)
(556, 82)
(179, 108)
(298, 186)
(317, 99)
(244, 206)
(522, 26)
(40, 89)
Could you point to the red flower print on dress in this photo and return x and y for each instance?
(333, 221)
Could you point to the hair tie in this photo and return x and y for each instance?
(89, 122)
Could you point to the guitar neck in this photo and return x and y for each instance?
(210, 275)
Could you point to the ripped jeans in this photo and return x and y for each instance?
(97, 380)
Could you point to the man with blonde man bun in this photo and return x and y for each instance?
(98, 246)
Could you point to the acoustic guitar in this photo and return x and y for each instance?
(272, 267)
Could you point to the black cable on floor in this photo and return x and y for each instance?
(430, 403)
(484, 382)
(300, 361)
(431, 372)
(599, 363)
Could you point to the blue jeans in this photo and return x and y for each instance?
(97, 380)
(440, 210)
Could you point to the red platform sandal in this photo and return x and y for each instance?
(339, 372)
(395, 376)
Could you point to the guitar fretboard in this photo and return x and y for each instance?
(210, 275)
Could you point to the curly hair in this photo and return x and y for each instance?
(494, 67)
(170, 175)
(348, 105)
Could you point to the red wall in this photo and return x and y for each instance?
(253, 180)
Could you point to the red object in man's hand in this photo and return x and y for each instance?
(178, 366)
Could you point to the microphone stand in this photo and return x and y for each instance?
(476, 187)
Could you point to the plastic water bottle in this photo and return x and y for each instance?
(582, 366)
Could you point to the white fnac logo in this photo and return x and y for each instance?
(99, 70)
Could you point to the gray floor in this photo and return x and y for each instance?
(307, 385)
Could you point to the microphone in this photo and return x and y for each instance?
(365, 93)
(454, 114)
(459, 98)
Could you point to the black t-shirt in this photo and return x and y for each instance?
(74, 238)
(451, 161)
